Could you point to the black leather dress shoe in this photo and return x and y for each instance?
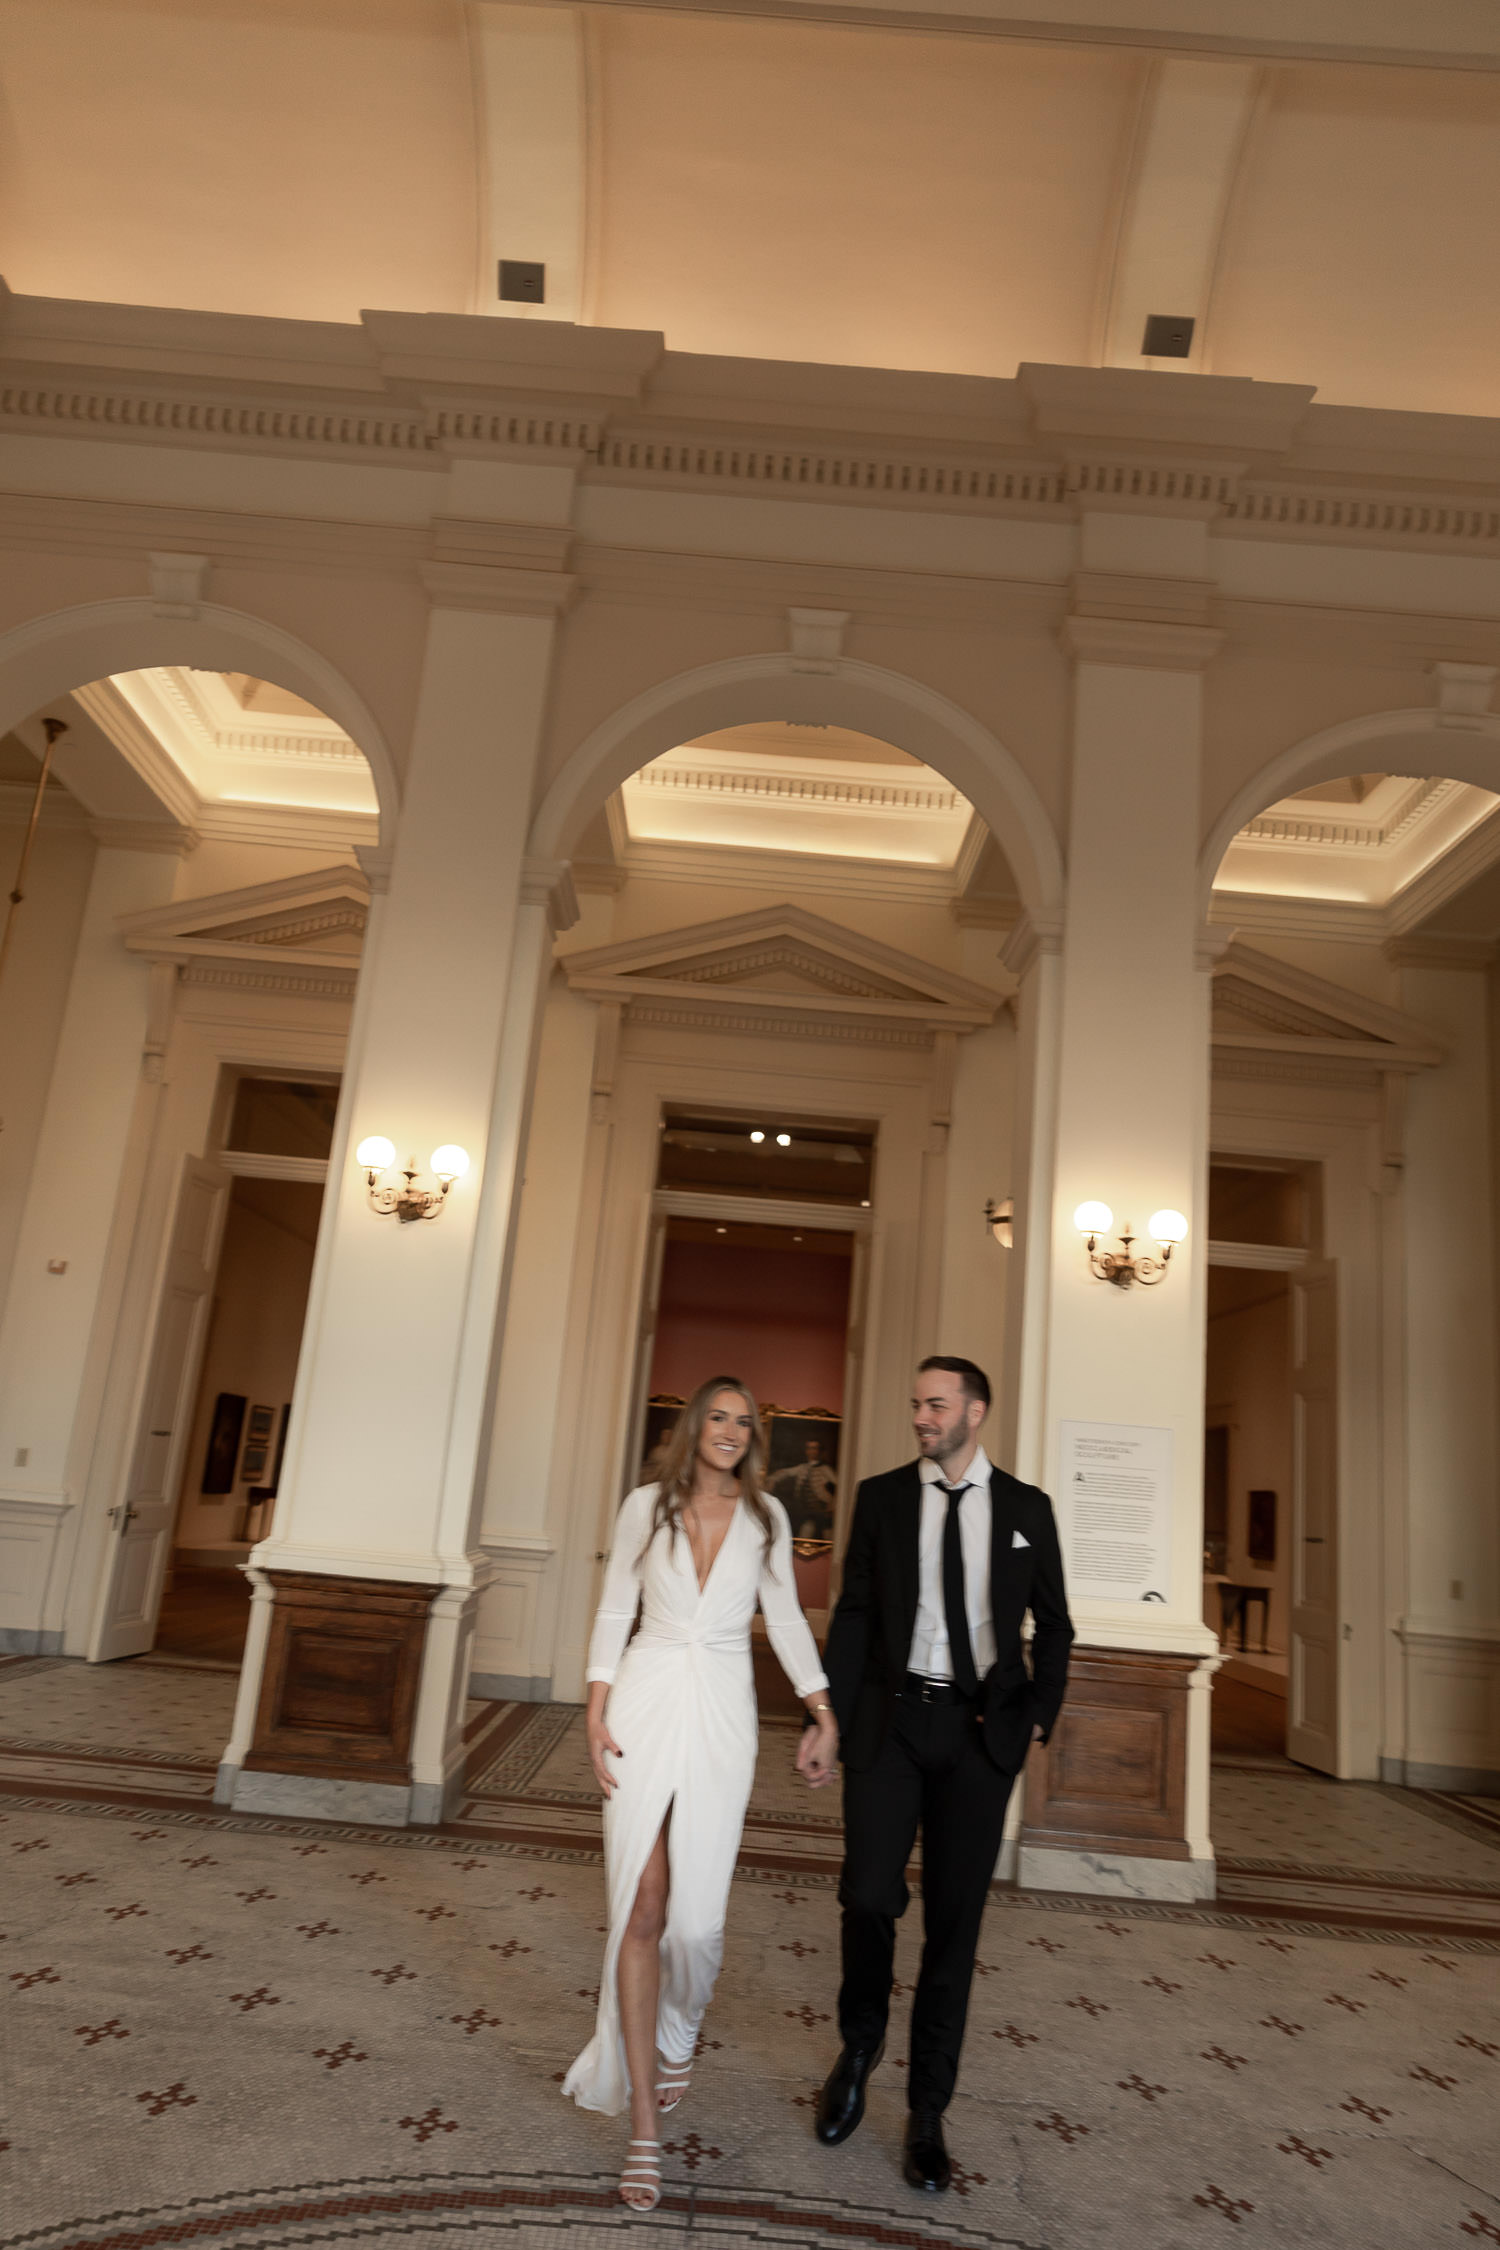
(925, 2164)
(841, 2104)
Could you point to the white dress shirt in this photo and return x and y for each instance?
(930, 1654)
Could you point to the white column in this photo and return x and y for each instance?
(1131, 1123)
(1033, 953)
(385, 1459)
(75, 1231)
(1451, 1630)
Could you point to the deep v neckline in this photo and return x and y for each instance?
(703, 1584)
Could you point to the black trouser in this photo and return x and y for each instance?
(931, 1770)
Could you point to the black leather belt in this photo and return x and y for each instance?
(933, 1691)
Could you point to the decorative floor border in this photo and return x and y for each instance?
(373, 2209)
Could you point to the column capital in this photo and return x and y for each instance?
(549, 883)
(375, 865)
(1140, 644)
(1037, 932)
(513, 590)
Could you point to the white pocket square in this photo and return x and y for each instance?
(1017, 1541)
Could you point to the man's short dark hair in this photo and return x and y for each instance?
(975, 1382)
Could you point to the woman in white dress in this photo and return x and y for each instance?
(672, 1737)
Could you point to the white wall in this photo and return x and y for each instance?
(31, 1000)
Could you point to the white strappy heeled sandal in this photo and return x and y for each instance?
(642, 2175)
(672, 2081)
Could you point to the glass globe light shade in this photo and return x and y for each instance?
(1093, 1218)
(375, 1153)
(757, 1136)
(1167, 1226)
(783, 1140)
(450, 1162)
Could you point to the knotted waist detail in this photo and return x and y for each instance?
(672, 1632)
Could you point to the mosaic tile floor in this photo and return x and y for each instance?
(276, 2033)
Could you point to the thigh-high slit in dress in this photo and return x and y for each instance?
(682, 1709)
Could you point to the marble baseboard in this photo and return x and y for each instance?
(509, 1687)
(1008, 1864)
(1114, 1874)
(433, 1802)
(302, 1796)
(1461, 1781)
(29, 1640)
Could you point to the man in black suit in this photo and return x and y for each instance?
(936, 1710)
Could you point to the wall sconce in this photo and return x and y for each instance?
(1166, 1229)
(376, 1155)
(1000, 1218)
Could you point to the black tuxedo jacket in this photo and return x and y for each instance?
(869, 1639)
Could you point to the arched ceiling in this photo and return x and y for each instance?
(1317, 189)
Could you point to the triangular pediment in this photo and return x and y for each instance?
(1260, 1002)
(320, 916)
(786, 956)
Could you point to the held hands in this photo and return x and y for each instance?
(818, 1751)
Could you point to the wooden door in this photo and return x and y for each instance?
(1313, 1685)
(143, 1518)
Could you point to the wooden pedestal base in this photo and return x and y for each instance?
(1106, 1798)
(339, 1688)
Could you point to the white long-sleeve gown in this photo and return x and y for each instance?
(682, 1708)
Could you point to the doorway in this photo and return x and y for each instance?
(757, 1268)
(1270, 1468)
(214, 1425)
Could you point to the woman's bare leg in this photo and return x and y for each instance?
(639, 1981)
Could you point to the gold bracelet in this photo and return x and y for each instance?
(820, 1707)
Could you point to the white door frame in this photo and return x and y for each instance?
(1340, 1129)
(113, 1637)
(610, 1271)
(271, 1036)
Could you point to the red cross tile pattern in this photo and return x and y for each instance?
(1088, 2109)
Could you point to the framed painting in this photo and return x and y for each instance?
(224, 1433)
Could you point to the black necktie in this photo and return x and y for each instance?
(960, 1647)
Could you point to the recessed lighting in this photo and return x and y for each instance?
(796, 1238)
(721, 1230)
(864, 1203)
(783, 1140)
(757, 1135)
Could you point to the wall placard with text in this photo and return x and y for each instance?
(1114, 1492)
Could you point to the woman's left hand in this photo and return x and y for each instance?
(818, 1752)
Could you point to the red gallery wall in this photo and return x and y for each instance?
(775, 1318)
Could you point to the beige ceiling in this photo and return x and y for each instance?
(789, 189)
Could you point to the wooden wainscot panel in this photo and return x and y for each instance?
(1113, 1778)
(340, 1683)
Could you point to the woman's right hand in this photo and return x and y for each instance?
(601, 1743)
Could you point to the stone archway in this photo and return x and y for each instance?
(843, 692)
(51, 655)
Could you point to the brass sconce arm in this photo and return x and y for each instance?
(1167, 1229)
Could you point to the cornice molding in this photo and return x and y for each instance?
(418, 391)
(1139, 644)
(145, 836)
(1425, 949)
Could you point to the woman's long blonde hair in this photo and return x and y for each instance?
(680, 1459)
